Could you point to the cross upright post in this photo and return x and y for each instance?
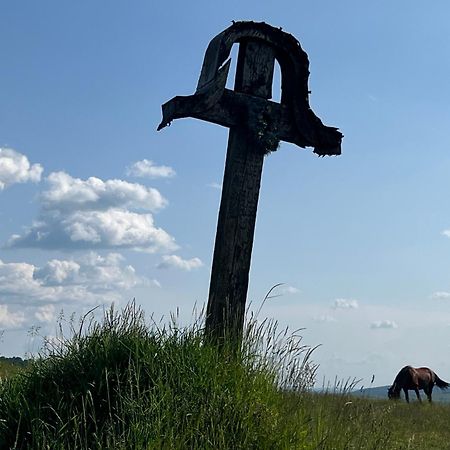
(239, 203)
(256, 127)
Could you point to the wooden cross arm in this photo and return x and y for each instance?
(292, 120)
(203, 99)
(231, 109)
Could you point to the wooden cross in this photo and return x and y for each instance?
(257, 125)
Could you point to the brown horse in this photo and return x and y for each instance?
(411, 378)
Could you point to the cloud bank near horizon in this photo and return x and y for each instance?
(86, 279)
(90, 279)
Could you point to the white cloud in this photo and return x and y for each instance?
(9, 319)
(16, 279)
(149, 169)
(325, 318)
(114, 228)
(94, 214)
(174, 261)
(343, 303)
(45, 313)
(100, 273)
(89, 279)
(57, 272)
(446, 233)
(441, 295)
(383, 324)
(65, 193)
(15, 168)
(290, 290)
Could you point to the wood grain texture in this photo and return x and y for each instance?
(239, 203)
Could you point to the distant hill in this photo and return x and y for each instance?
(380, 392)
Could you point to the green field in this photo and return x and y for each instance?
(10, 366)
(123, 384)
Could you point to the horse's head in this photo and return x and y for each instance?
(393, 393)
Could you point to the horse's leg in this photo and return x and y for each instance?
(406, 395)
(416, 390)
(428, 392)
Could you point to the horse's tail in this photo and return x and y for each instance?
(441, 383)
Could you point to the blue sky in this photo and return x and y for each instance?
(96, 206)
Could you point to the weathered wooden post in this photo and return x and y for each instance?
(257, 125)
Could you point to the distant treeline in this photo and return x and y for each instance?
(14, 361)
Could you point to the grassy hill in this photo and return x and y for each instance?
(380, 392)
(123, 385)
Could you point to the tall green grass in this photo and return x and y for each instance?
(124, 384)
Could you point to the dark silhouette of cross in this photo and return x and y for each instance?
(257, 125)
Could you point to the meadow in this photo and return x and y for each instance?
(123, 383)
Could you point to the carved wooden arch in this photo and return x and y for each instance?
(293, 60)
(294, 121)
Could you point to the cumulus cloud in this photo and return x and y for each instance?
(383, 324)
(446, 233)
(343, 303)
(65, 193)
(31, 294)
(15, 168)
(45, 313)
(148, 169)
(175, 261)
(16, 279)
(89, 279)
(98, 272)
(114, 228)
(94, 214)
(10, 319)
